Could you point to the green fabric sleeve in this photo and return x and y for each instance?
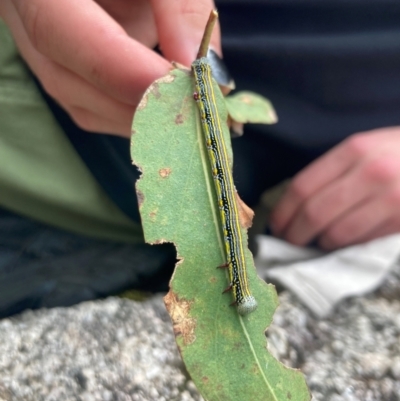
(41, 175)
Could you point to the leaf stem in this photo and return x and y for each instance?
(205, 41)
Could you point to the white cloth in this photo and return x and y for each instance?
(321, 280)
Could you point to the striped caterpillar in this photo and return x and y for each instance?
(226, 192)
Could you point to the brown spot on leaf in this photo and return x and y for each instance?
(205, 379)
(164, 172)
(255, 369)
(179, 309)
(140, 197)
(153, 215)
(155, 90)
(245, 213)
(143, 101)
(289, 395)
(246, 99)
(179, 119)
(160, 241)
(238, 346)
(167, 79)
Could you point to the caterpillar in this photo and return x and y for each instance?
(224, 186)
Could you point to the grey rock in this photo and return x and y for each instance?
(111, 350)
(355, 354)
(373, 365)
(395, 368)
(120, 350)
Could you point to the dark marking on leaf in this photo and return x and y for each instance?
(179, 119)
(289, 395)
(255, 369)
(238, 345)
(205, 379)
(140, 197)
(153, 215)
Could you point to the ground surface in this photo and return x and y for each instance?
(68, 354)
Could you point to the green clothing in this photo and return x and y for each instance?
(41, 175)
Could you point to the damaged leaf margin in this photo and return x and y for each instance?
(215, 342)
(179, 310)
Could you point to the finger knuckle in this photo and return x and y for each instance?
(358, 145)
(33, 14)
(336, 237)
(194, 9)
(311, 216)
(381, 170)
(50, 83)
(83, 119)
(298, 189)
(393, 198)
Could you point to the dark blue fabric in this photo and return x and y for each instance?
(331, 68)
(42, 266)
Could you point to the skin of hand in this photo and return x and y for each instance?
(349, 195)
(95, 58)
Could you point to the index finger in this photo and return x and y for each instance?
(81, 36)
(180, 25)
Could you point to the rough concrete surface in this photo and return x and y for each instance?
(121, 350)
(111, 350)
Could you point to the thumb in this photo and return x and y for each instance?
(180, 26)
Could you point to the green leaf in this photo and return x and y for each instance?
(249, 107)
(224, 353)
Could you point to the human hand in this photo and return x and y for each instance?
(349, 195)
(95, 58)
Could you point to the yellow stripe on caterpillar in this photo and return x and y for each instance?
(224, 186)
